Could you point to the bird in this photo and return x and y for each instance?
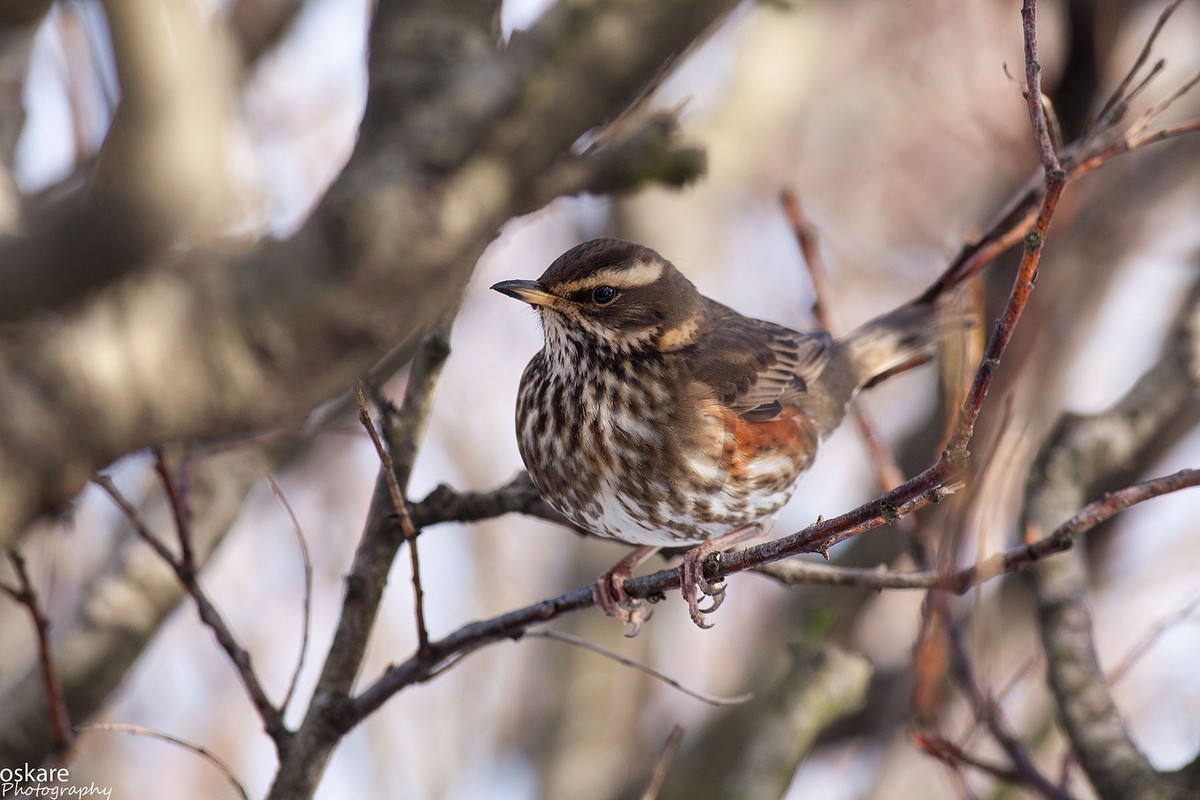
(659, 417)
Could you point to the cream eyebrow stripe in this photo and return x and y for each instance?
(641, 274)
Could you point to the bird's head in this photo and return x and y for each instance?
(615, 294)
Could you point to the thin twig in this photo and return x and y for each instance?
(306, 622)
(56, 701)
(271, 716)
(203, 752)
(1162, 105)
(179, 510)
(579, 641)
(1118, 102)
(1149, 638)
(1033, 91)
(1085, 157)
(948, 752)
(401, 508)
(1026, 770)
(661, 764)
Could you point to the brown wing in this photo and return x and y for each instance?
(754, 366)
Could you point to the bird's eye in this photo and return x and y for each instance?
(603, 295)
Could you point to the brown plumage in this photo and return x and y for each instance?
(659, 417)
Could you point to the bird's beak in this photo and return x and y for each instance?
(526, 291)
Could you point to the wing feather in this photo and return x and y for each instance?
(756, 367)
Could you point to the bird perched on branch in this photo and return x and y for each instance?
(659, 417)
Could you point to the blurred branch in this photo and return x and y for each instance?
(160, 171)
(454, 139)
(649, 154)
(954, 756)
(1150, 638)
(24, 593)
(754, 750)
(19, 13)
(986, 708)
(1085, 452)
(203, 752)
(579, 641)
(662, 764)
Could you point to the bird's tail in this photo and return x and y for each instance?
(901, 339)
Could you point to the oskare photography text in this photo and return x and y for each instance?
(46, 782)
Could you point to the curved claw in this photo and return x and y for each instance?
(694, 584)
(715, 592)
(638, 615)
(609, 595)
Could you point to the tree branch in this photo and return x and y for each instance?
(24, 593)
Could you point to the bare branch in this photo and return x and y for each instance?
(519, 495)
(579, 641)
(1117, 104)
(648, 154)
(1033, 90)
(24, 593)
(306, 623)
(400, 507)
(203, 752)
(270, 714)
(160, 172)
(324, 723)
(1026, 771)
(662, 764)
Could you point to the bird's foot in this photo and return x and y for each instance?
(609, 595)
(695, 584)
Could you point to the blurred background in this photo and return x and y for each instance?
(901, 132)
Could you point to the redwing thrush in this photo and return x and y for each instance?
(658, 417)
